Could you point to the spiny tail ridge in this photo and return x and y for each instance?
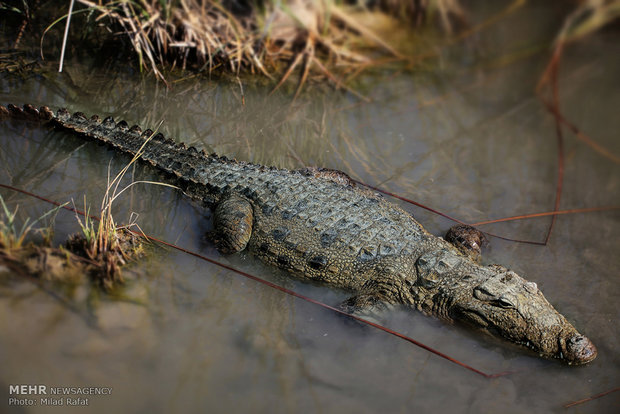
(188, 164)
(115, 134)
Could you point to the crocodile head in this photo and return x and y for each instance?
(506, 305)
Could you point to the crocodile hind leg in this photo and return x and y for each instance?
(469, 240)
(232, 222)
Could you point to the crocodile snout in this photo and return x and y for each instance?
(579, 350)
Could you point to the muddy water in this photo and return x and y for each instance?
(468, 138)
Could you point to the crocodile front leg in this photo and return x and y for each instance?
(232, 222)
(363, 303)
(390, 285)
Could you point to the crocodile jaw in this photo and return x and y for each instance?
(568, 345)
(509, 307)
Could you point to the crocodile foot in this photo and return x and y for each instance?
(468, 240)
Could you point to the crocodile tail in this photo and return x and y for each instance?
(27, 112)
(189, 165)
(116, 134)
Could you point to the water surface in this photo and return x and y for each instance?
(469, 138)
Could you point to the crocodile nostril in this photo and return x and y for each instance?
(580, 350)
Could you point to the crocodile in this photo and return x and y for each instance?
(317, 224)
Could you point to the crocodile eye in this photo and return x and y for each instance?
(505, 303)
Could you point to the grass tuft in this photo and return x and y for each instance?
(13, 236)
(107, 245)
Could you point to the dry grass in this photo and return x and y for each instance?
(273, 38)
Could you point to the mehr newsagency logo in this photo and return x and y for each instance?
(38, 394)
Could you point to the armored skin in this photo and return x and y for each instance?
(317, 225)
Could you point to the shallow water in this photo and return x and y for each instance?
(468, 138)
